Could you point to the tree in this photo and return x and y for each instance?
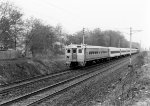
(11, 24)
(39, 37)
(108, 38)
(135, 45)
(61, 37)
(98, 38)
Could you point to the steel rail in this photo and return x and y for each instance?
(6, 88)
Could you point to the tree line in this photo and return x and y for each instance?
(39, 38)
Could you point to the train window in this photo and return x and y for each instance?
(90, 52)
(68, 51)
(74, 50)
(80, 51)
(115, 52)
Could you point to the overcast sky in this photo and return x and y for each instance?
(73, 15)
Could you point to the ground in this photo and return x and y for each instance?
(143, 96)
(138, 94)
(108, 90)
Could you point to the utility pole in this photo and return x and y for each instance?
(83, 35)
(131, 32)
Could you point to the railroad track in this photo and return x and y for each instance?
(60, 86)
(15, 85)
(7, 87)
(36, 78)
(18, 89)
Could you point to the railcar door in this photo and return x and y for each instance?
(74, 54)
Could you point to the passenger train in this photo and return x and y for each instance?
(79, 55)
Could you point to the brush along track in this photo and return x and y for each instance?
(62, 84)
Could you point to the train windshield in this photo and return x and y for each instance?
(80, 51)
(74, 50)
(68, 51)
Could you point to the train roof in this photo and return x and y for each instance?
(91, 46)
(84, 46)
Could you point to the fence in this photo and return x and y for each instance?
(8, 54)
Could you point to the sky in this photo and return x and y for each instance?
(73, 15)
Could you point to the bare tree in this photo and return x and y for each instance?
(11, 24)
(39, 37)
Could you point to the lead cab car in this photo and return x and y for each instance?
(75, 55)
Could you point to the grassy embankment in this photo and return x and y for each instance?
(21, 69)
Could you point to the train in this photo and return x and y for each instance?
(81, 54)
